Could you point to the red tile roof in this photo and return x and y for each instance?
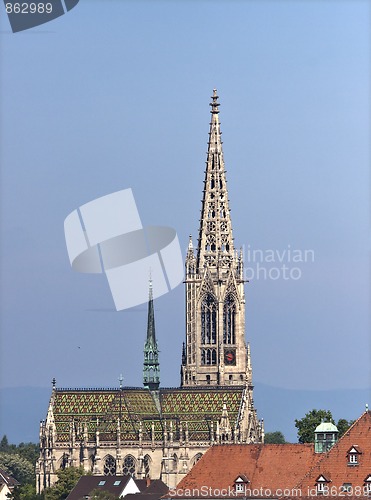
(334, 464)
(282, 470)
(269, 466)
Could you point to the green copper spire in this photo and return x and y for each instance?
(151, 365)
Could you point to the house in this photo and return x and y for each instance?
(120, 486)
(346, 467)
(7, 484)
(284, 470)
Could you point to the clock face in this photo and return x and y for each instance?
(230, 357)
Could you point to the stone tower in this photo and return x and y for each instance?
(151, 365)
(215, 352)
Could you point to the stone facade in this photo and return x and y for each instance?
(157, 432)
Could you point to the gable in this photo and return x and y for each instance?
(322, 479)
(130, 487)
(353, 449)
(241, 479)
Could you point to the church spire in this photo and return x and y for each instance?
(151, 365)
(215, 241)
(215, 350)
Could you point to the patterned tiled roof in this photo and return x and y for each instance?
(99, 409)
(198, 407)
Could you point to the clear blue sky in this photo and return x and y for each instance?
(115, 94)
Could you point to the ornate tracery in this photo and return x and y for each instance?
(109, 468)
(128, 468)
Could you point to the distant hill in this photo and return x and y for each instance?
(22, 408)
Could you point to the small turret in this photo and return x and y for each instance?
(325, 436)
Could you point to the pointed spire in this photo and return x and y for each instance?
(225, 425)
(215, 241)
(190, 262)
(190, 244)
(215, 105)
(151, 333)
(151, 365)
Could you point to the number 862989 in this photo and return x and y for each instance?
(29, 8)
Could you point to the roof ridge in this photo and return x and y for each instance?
(143, 389)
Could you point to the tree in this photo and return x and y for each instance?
(19, 461)
(67, 480)
(18, 467)
(307, 424)
(343, 425)
(25, 492)
(274, 438)
(29, 451)
(4, 443)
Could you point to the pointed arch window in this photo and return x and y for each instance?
(128, 468)
(229, 320)
(109, 466)
(147, 465)
(208, 320)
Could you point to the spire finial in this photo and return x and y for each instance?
(190, 243)
(53, 382)
(214, 105)
(121, 379)
(150, 284)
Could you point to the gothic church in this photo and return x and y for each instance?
(162, 432)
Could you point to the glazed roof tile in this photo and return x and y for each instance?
(99, 409)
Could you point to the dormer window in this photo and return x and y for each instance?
(240, 484)
(353, 456)
(239, 488)
(367, 486)
(321, 485)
